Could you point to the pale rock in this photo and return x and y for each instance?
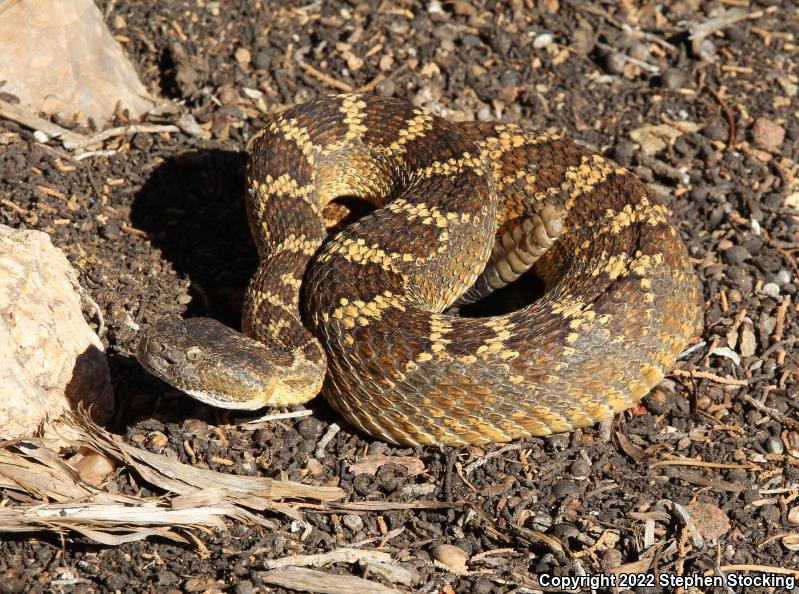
(50, 359)
(767, 135)
(454, 558)
(748, 342)
(57, 56)
(708, 520)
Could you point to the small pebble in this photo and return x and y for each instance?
(386, 88)
(583, 41)
(614, 63)
(674, 79)
(462, 8)
(309, 428)
(767, 135)
(770, 514)
(707, 50)
(735, 255)
(580, 469)
(386, 62)
(710, 521)
(11, 582)
(156, 441)
(228, 96)
(715, 132)
(262, 60)
(565, 530)
(541, 522)
(466, 545)
(735, 33)
(611, 558)
(243, 56)
(771, 290)
(753, 245)
(453, 557)
(543, 40)
(167, 578)
(748, 342)
(557, 442)
(92, 466)
(564, 488)
(353, 522)
(483, 586)
(623, 153)
(774, 445)
(244, 587)
(261, 437)
(782, 278)
(639, 51)
(471, 41)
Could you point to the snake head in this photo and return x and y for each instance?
(210, 362)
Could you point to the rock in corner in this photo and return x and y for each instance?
(50, 359)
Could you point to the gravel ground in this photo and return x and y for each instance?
(158, 227)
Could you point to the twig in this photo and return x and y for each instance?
(88, 154)
(779, 345)
(15, 207)
(718, 485)
(309, 580)
(276, 417)
(326, 439)
(651, 68)
(773, 413)
(22, 116)
(490, 552)
(342, 555)
(133, 230)
(702, 464)
(121, 131)
(761, 568)
(633, 32)
(727, 381)
(483, 459)
(372, 84)
(699, 32)
(326, 79)
(97, 311)
(665, 170)
(727, 115)
(692, 349)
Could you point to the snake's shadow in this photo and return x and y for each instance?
(192, 209)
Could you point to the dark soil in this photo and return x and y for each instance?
(159, 228)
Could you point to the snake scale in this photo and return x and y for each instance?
(461, 209)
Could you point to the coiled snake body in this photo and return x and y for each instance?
(462, 209)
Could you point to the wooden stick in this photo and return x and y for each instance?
(24, 117)
(326, 79)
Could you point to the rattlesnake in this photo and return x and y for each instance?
(461, 210)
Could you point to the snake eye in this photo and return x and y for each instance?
(194, 354)
(157, 347)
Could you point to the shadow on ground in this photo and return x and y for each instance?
(192, 208)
